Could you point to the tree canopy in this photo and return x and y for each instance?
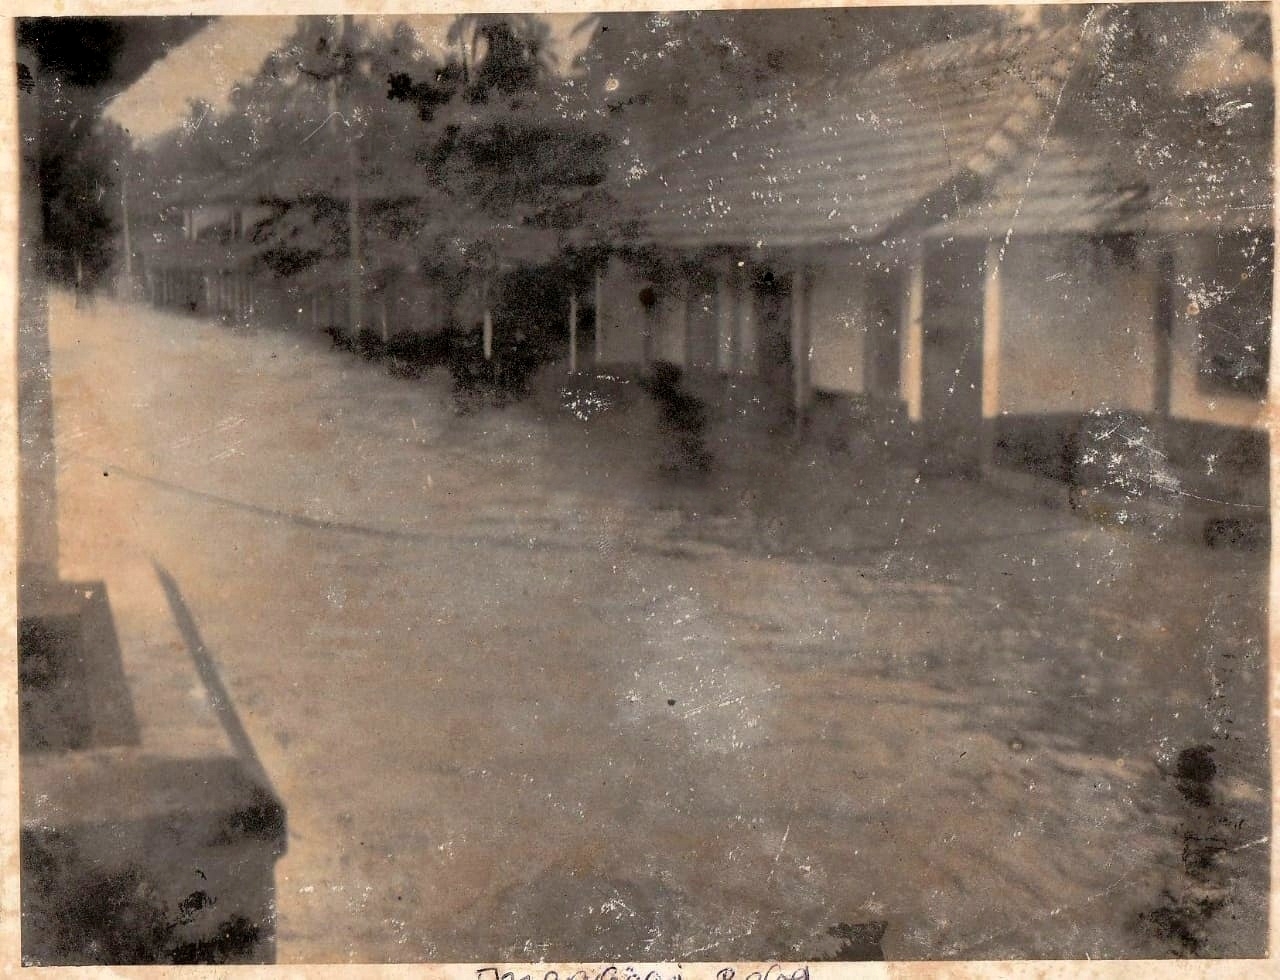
(495, 148)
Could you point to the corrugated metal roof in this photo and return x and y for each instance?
(850, 164)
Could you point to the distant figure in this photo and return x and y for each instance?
(683, 418)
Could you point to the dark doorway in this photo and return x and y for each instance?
(951, 402)
(772, 293)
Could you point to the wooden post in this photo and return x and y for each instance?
(913, 338)
(599, 338)
(572, 334)
(737, 360)
(991, 321)
(487, 335)
(382, 316)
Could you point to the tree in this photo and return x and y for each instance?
(82, 62)
(79, 193)
(515, 176)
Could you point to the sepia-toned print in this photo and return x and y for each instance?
(696, 487)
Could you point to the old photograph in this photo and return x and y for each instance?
(704, 486)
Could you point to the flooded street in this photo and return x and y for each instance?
(524, 696)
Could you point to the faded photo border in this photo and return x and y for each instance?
(10, 945)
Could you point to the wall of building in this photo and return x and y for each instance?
(670, 323)
(209, 216)
(838, 323)
(1202, 275)
(1077, 328)
(855, 314)
(703, 322)
(409, 306)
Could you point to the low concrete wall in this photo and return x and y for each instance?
(149, 832)
(1225, 462)
(1203, 480)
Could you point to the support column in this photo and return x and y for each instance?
(737, 325)
(746, 326)
(726, 319)
(913, 337)
(487, 335)
(991, 320)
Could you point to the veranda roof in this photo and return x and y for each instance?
(853, 163)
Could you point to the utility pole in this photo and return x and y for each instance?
(128, 242)
(355, 279)
(573, 333)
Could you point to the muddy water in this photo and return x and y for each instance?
(523, 696)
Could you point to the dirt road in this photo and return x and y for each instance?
(523, 699)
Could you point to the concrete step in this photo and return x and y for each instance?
(149, 830)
